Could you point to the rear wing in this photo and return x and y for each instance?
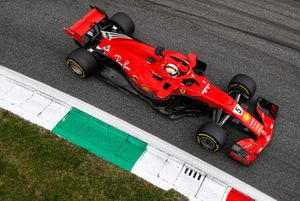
(78, 30)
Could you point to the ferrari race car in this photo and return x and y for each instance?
(171, 82)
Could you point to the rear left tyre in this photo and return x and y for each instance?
(82, 63)
(211, 137)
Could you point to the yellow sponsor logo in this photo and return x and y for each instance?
(146, 89)
(246, 116)
(135, 78)
(257, 126)
(182, 91)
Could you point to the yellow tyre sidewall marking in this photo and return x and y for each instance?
(77, 65)
(246, 90)
(239, 85)
(232, 85)
(210, 138)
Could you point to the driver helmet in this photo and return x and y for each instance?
(172, 70)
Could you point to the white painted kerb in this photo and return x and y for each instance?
(19, 106)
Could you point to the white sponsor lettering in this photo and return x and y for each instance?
(252, 122)
(123, 65)
(254, 125)
(206, 88)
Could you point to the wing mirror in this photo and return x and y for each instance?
(200, 66)
(159, 51)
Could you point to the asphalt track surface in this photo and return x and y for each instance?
(260, 38)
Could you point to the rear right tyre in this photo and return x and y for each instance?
(123, 22)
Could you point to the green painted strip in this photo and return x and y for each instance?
(100, 138)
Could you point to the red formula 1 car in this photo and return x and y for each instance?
(171, 82)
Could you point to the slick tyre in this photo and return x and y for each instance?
(211, 137)
(82, 63)
(242, 84)
(123, 22)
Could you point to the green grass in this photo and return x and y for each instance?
(37, 165)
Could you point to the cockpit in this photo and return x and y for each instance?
(171, 69)
(176, 67)
(176, 64)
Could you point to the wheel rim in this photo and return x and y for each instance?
(207, 142)
(75, 68)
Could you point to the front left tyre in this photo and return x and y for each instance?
(82, 63)
(242, 84)
(211, 137)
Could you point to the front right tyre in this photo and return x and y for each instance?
(211, 137)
